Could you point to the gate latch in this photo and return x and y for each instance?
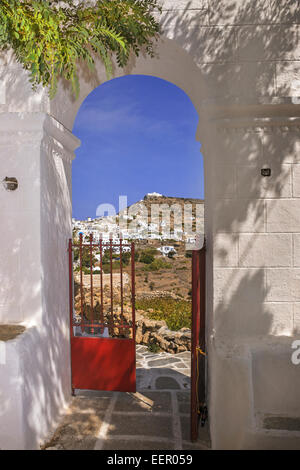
(203, 413)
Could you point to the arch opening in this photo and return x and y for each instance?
(143, 165)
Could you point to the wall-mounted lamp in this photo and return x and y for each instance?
(10, 183)
(265, 172)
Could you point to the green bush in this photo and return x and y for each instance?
(115, 266)
(126, 258)
(86, 257)
(156, 265)
(88, 271)
(176, 313)
(154, 348)
(146, 258)
(151, 251)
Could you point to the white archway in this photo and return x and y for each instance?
(172, 63)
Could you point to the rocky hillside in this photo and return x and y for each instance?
(153, 199)
(161, 279)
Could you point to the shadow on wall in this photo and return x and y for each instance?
(238, 46)
(244, 64)
(212, 52)
(46, 356)
(250, 230)
(249, 293)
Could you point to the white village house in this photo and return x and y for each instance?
(166, 249)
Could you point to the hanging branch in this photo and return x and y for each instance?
(49, 38)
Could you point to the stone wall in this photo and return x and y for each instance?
(154, 332)
(158, 293)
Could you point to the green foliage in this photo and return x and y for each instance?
(126, 258)
(88, 271)
(151, 251)
(176, 313)
(156, 265)
(146, 258)
(115, 266)
(86, 257)
(106, 268)
(50, 37)
(154, 348)
(115, 261)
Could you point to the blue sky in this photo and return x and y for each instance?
(137, 136)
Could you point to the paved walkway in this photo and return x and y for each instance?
(154, 418)
(162, 371)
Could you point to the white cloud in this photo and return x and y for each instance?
(96, 118)
(108, 115)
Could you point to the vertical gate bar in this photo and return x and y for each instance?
(91, 267)
(121, 275)
(81, 282)
(202, 298)
(70, 250)
(133, 288)
(195, 340)
(101, 285)
(111, 284)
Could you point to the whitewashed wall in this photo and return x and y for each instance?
(239, 63)
(253, 316)
(35, 369)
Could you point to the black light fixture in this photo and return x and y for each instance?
(10, 183)
(265, 172)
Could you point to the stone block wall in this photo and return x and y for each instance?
(255, 278)
(256, 226)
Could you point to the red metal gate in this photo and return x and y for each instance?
(198, 362)
(102, 329)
